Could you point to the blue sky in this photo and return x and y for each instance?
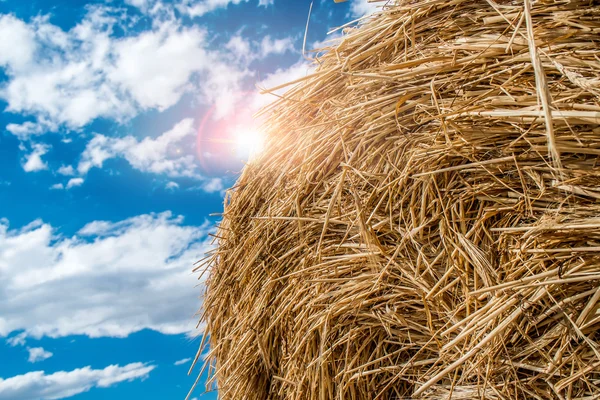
(123, 122)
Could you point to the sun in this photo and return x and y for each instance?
(249, 143)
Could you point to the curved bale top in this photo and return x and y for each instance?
(425, 219)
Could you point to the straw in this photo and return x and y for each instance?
(423, 222)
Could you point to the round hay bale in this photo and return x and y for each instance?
(425, 218)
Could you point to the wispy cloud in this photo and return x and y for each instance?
(73, 182)
(181, 362)
(269, 46)
(64, 384)
(17, 340)
(172, 185)
(198, 8)
(245, 50)
(213, 185)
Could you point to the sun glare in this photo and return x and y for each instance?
(249, 143)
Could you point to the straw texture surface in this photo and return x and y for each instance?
(425, 219)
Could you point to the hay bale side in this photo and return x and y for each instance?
(425, 219)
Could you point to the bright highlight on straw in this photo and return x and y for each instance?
(249, 143)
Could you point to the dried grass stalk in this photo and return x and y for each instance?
(425, 221)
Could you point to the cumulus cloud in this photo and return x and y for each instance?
(66, 83)
(181, 362)
(17, 42)
(162, 155)
(70, 78)
(64, 384)
(38, 354)
(33, 161)
(111, 279)
(156, 66)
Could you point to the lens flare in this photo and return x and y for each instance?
(248, 143)
(226, 142)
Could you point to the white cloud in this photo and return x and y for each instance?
(197, 8)
(27, 129)
(33, 161)
(360, 8)
(330, 40)
(63, 384)
(73, 182)
(57, 186)
(17, 43)
(17, 340)
(213, 185)
(38, 354)
(275, 46)
(280, 77)
(100, 149)
(172, 185)
(152, 155)
(246, 51)
(181, 362)
(66, 170)
(141, 4)
(111, 279)
(223, 84)
(155, 67)
(87, 72)
(65, 84)
(240, 48)
(162, 155)
(193, 8)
